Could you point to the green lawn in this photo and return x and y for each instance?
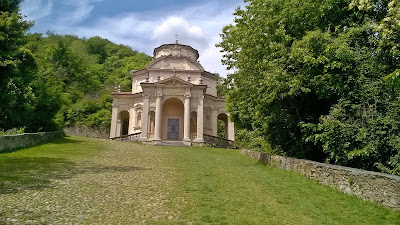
(78, 180)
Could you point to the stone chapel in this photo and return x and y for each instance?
(172, 99)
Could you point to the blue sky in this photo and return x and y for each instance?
(142, 25)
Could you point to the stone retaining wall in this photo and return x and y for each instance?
(374, 186)
(213, 141)
(88, 132)
(10, 142)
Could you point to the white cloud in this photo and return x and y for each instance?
(125, 29)
(211, 59)
(191, 34)
(81, 11)
(198, 26)
(36, 9)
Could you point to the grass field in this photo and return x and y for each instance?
(76, 180)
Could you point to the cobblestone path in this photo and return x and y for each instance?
(124, 184)
(78, 180)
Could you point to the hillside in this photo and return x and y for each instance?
(78, 76)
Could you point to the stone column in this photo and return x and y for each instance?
(145, 118)
(114, 121)
(214, 122)
(186, 123)
(119, 127)
(158, 119)
(131, 119)
(200, 122)
(231, 130)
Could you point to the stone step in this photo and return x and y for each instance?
(172, 143)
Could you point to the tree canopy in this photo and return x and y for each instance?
(51, 81)
(17, 69)
(318, 79)
(80, 74)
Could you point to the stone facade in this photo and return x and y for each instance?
(378, 187)
(172, 99)
(10, 142)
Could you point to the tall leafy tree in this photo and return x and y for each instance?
(317, 78)
(80, 74)
(17, 68)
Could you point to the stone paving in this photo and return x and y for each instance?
(121, 185)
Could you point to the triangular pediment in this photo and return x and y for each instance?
(174, 81)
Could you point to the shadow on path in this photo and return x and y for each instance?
(108, 169)
(36, 173)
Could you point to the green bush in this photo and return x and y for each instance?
(13, 131)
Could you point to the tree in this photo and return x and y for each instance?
(223, 85)
(17, 68)
(310, 78)
(80, 74)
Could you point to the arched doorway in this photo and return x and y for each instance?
(222, 126)
(172, 120)
(124, 122)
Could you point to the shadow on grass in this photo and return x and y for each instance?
(64, 140)
(36, 170)
(111, 169)
(58, 140)
(36, 173)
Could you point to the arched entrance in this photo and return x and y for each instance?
(172, 120)
(222, 126)
(124, 122)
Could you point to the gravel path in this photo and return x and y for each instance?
(125, 184)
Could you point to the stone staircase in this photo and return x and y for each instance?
(172, 143)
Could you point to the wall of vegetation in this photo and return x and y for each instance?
(51, 81)
(317, 79)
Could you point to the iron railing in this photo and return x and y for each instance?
(128, 137)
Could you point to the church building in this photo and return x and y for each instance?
(172, 99)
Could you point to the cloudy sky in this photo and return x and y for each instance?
(140, 24)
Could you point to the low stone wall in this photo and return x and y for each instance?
(374, 186)
(88, 132)
(213, 141)
(10, 142)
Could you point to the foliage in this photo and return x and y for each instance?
(13, 131)
(220, 128)
(223, 85)
(80, 74)
(25, 100)
(245, 139)
(58, 80)
(318, 79)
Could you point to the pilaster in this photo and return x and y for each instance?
(231, 130)
(131, 119)
(145, 117)
(114, 120)
(200, 119)
(186, 123)
(214, 122)
(158, 119)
